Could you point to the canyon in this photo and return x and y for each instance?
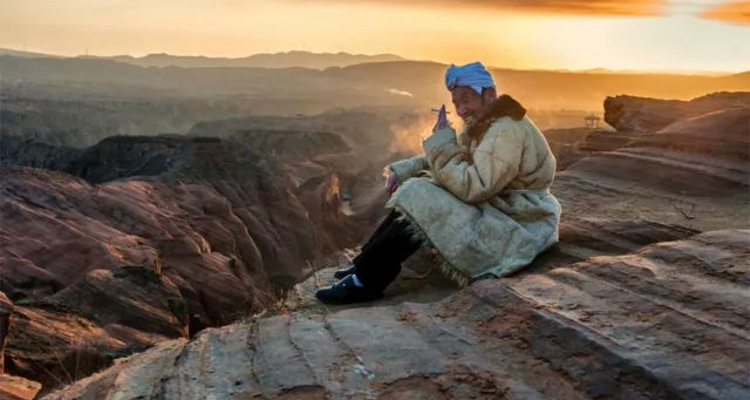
(183, 266)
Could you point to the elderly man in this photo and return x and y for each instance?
(481, 199)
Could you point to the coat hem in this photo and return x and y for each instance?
(445, 268)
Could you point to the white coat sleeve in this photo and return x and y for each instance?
(476, 177)
(409, 167)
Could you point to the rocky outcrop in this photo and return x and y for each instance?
(693, 172)
(17, 388)
(17, 150)
(6, 310)
(168, 234)
(103, 315)
(649, 324)
(12, 387)
(124, 293)
(722, 134)
(118, 157)
(630, 113)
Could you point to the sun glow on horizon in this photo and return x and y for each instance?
(507, 38)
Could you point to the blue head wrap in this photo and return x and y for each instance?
(473, 75)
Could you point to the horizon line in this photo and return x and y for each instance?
(671, 71)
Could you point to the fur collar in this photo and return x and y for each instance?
(504, 106)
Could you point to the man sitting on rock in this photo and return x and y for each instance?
(481, 199)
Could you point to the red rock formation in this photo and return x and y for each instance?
(12, 387)
(17, 388)
(629, 113)
(6, 310)
(693, 172)
(213, 234)
(666, 321)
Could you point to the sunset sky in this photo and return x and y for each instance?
(573, 34)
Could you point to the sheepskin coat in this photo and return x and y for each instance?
(482, 199)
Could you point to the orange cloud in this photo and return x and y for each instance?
(736, 12)
(575, 7)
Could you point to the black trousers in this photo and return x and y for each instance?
(380, 260)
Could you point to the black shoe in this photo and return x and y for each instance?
(345, 292)
(343, 273)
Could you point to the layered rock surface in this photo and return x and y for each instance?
(17, 388)
(668, 321)
(694, 172)
(639, 114)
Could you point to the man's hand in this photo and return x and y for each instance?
(440, 134)
(392, 184)
(442, 119)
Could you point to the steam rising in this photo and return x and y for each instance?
(408, 135)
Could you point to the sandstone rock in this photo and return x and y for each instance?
(50, 344)
(212, 203)
(722, 135)
(6, 310)
(692, 173)
(629, 113)
(135, 297)
(206, 226)
(666, 321)
(17, 388)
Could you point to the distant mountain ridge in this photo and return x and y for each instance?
(364, 84)
(26, 54)
(290, 59)
(264, 60)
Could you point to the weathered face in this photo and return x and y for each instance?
(468, 103)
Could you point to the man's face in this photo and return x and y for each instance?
(469, 104)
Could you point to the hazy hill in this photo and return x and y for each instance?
(304, 59)
(387, 83)
(276, 60)
(547, 89)
(19, 53)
